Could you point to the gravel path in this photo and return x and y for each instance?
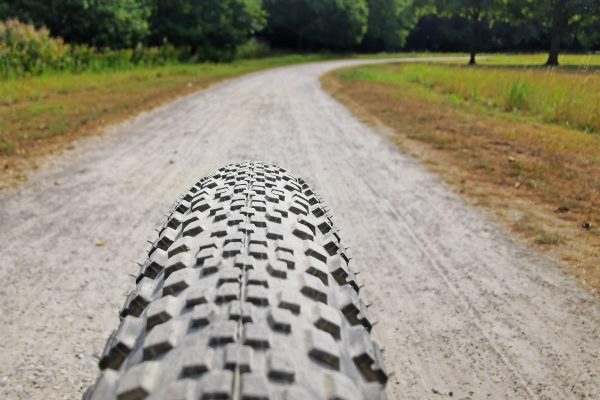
(462, 309)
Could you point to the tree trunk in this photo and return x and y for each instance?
(474, 45)
(472, 59)
(554, 49)
(560, 21)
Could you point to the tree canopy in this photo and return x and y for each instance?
(214, 29)
(558, 17)
(390, 22)
(100, 23)
(317, 24)
(211, 28)
(477, 14)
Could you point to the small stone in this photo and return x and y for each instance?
(586, 225)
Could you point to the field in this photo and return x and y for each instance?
(520, 140)
(549, 96)
(567, 61)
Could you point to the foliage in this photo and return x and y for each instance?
(478, 14)
(514, 25)
(317, 24)
(389, 23)
(219, 30)
(558, 17)
(439, 33)
(212, 29)
(25, 50)
(99, 23)
(253, 48)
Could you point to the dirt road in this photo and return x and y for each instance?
(463, 310)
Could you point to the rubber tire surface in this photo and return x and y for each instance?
(246, 294)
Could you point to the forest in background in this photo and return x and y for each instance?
(76, 35)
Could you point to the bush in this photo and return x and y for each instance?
(25, 50)
(516, 97)
(212, 29)
(253, 48)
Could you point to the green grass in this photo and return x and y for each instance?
(577, 61)
(378, 56)
(565, 96)
(56, 104)
(36, 88)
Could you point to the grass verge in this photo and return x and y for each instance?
(541, 179)
(41, 115)
(549, 95)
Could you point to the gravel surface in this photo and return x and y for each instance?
(463, 310)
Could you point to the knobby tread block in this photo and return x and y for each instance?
(246, 294)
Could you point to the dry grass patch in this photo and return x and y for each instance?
(542, 180)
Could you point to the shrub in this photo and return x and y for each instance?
(253, 48)
(516, 96)
(25, 50)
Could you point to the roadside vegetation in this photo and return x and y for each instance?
(551, 96)
(43, 114)
(522, 141)
(28, 51)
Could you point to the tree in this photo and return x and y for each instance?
(117, 23)
(437, 33)
(289, 22)
(5, 8)
(559, 17)
(341, 25)
(590, 33)
(390, 22)
(479, 13)
(331, 24)
(100, 23)
(212, 29)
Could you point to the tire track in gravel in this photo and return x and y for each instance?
(433, 260)
(461, 307)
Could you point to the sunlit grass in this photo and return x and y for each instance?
(582, 61)
(564, 97)
(56, 104)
